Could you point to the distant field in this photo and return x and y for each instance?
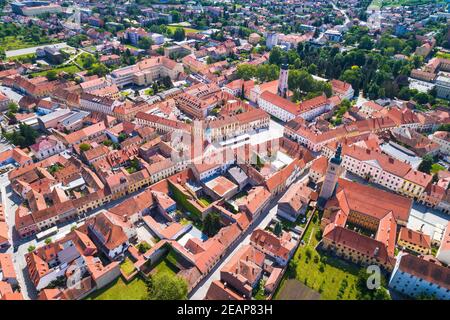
(22, 56)
(119, 290)
(377, 4)
(68, 69)
(15, 43)
(186, 30)
(436, 167)
(443, 55)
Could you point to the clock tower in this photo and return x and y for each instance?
(283, 80)
(334, 170)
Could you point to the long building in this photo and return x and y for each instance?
(146, 71)
(415, 277)
(384, 170)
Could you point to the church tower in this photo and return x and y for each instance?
(283, 80)
(334, 170)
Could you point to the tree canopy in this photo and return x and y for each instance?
(164, 286)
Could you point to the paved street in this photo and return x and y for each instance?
(20, 246)
(262, 221)
(19, 52)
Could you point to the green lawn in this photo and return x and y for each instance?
(377, 4)
(119, 290)
(436, 167)
(397, 3)
(69, 69)
(131, 47)
(186, 30)
(22, 57)
(322, 272)
(127, 266)
(80, 59)
(204, 201)
(14, 43)
(164, 266)
(443, 55)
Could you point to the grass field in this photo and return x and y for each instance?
(377, 4)
(186, 30)
(436, 167)
(68, 69)
(13, 43)
(444, 55)
(321, 272)
(119, 290)
(204, 201)
(127, 266)
(165, 266)
(22, 56)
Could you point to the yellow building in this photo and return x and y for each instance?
(414, 241)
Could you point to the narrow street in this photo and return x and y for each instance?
(199, 292)
(19, 247)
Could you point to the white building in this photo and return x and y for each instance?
(271, 39)
(414, 276)
(277, 106)
(443, 139)
(443, 254)
(386, 171)
(46, 147)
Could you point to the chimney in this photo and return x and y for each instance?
(375, 253)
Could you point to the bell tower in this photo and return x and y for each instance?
(334, 170)
(283, 80)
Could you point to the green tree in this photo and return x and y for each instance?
(365, 43)
(312, 68)
(426, 164)
(276, 56)
(292, 268)
(85, 147)
(364, 293)
(179, 34)
(277, 230)
(246, 71)
(164, 286)
(13, 107)
(145, 43)
(87, 60)
(51, 75)
(211, 224)
(99, 69)
(122, 137)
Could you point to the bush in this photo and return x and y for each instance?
(308, 253)
(316, 259)
(143, 247)
(322, 267)
(85, 147)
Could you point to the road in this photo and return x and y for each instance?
(342, 11)
(19, 247)
(19, 52)
(262, 221)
